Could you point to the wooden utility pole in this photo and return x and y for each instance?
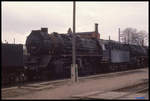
(109, 50)
(119, 35)
(74, 69)
(14, 40)
(128, 37)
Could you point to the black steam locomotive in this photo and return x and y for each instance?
(50, 55)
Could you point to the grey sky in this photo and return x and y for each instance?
(19, 18)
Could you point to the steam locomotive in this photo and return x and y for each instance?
(50, 55)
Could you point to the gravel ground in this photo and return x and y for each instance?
(103, 84)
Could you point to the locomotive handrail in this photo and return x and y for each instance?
(82, 55)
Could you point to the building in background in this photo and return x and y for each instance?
(93, 34)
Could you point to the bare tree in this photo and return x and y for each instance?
(132, 36)
(142, 37)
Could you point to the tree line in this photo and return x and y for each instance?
(133, 36)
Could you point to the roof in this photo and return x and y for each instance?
(84, 32)
(107, 41)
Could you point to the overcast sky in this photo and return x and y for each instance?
(19, 18)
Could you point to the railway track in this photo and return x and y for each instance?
(26, 88)
(90, 76)
(80, 78)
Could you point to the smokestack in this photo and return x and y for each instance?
(109, 37)
(142, 42)
(44, 30)
(96, 27)
(69, 31)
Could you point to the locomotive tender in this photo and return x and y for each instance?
(50, 55)
(12, 62)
